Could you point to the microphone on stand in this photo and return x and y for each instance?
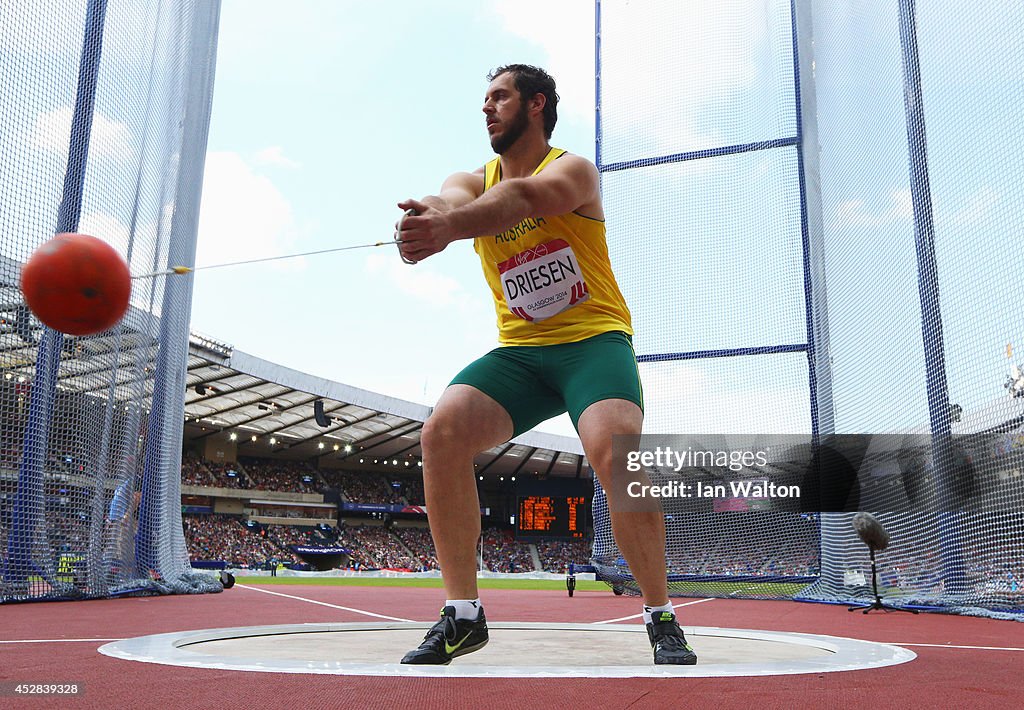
(871, 532)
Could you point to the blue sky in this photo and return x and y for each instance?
(327, 114)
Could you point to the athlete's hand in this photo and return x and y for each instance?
(424, 233)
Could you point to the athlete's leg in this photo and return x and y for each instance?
(465, 422)
(639, 534)
(599, 379)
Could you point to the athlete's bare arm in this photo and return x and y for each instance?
(568, 184)
(458, 190)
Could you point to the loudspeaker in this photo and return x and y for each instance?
(318, 414)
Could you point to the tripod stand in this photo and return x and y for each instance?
(878, 603)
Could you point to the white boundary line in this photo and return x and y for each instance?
(969, 648)
(58, 640)
(640, 615)
(314, 601)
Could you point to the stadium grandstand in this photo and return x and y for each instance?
(276, 460)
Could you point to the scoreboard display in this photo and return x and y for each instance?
(552, 516)
(553, 513)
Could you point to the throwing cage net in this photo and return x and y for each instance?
(104, 107)
(812, 207)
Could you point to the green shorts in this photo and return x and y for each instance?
(538, 382)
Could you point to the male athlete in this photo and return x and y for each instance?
(564, 330)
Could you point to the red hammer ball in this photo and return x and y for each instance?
(77, 284)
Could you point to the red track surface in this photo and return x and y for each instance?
(938, 678)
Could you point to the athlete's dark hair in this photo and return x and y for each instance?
(531, 81)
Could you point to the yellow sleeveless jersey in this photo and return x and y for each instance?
(550, 277)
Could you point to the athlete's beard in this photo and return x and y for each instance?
(503, 141)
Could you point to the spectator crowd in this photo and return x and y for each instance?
(363, 487)
(287, 476)
(555, 555)
(700, 546)
(502, 553)
(193, 473)
(420, 544)
(223, 537)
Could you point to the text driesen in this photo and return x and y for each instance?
(538, 277)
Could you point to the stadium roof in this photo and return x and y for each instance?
(229, 391)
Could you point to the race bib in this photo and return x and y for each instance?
(543, 281)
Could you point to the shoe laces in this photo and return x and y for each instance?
(668, 633)
(673, 640)
(444, 629)
(450, 630)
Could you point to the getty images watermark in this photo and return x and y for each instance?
(704, 473)
(664, 458)
(800, 474)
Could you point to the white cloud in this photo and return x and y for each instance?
(903, 204)
(975, 208)
(243, 216)
(419, 281)
(274, 156)
(681, 398)
(701, 47)
(569, 48)
(661, 71)
(670, 79)
(854, 213)
(106, 227)
(978, 207)
(107, 139)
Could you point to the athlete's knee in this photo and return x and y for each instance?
(608, 428)
(607, 452)
(465, 422)
(602, 461)
(440, 434)
(448, 434)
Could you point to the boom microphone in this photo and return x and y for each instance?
(871, 531)
(875, 537)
